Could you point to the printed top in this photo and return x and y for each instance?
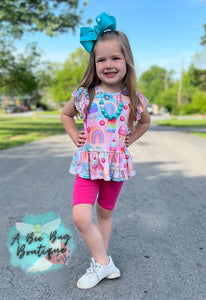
(104, 154)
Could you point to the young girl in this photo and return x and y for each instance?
(110, 105)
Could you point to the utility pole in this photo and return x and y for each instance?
(180, 83)
(166, 82)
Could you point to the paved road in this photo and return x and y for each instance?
(158, 239)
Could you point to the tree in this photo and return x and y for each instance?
(50, 17)
(188, 85)
(203, 38)
(47, 74)
(68, 78)
(17, 74)
(193, 100)
(200, 79)
(17, 77)
(168, 98)
(198, 103)
(199, 61)
(154, 81)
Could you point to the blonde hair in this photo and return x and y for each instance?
(90, 79)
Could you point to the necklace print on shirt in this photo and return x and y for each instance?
(108, 115)
(106, 112)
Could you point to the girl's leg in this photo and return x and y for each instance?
(83, 219)
(108, 194)
(104, 223)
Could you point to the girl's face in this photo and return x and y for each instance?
(110, 65)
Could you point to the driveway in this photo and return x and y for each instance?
(158, 239)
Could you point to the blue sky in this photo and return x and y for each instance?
(161, 32)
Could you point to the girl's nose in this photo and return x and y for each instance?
(108, 64)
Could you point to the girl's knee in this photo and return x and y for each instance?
(104, 213)
(81, 219)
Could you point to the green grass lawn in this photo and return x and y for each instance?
(201, 134)
(16, 131)
(185, 123)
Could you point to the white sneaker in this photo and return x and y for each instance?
(96, 273)
(115, 274)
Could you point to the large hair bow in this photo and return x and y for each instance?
(88, 35)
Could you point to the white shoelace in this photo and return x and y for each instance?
(93, 269)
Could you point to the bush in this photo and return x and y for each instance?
(178, 110)
(167, 99)
(197, 105)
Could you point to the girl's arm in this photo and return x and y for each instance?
(67, 118)
(141, 127)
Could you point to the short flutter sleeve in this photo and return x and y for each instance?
(80, 101)
(143, 103)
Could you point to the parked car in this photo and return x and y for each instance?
(150, 109)
(23, 108)
(12, 108)
(15, 108)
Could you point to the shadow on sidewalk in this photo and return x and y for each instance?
(158, 238)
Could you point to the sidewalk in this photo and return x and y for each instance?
(158, 238)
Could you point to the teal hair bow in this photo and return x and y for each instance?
(88, 35)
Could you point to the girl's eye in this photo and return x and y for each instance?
(100, 60)
(116, 58)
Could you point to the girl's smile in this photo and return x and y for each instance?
(110, 65)
(110, 74)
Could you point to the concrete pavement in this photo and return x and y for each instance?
(158, 239)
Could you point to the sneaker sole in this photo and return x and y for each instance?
(113, 275)
(85, 287)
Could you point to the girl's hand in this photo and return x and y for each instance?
(140, 128)
(81, 139)
(128, 140)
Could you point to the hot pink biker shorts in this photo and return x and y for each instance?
(86, 190)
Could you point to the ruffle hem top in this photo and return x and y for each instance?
(104, 154)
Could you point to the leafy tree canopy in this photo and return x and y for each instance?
(168, 99)
(203, 38)
(67, 79)
(50, 17)
(199, 59)
(16, 72)
(194, 78)
(155, 80)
